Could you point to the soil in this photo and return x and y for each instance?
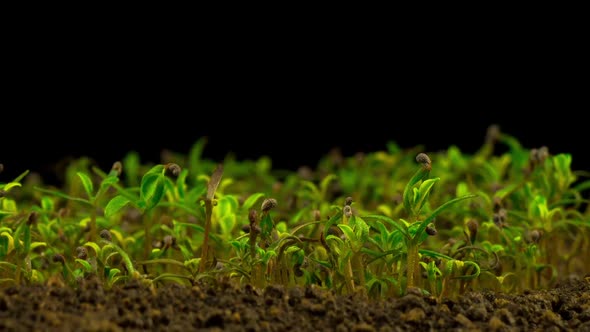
(135, 307)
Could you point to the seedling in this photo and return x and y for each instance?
(373, 224)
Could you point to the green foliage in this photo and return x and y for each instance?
(394, 220)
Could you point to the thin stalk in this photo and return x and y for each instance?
(205, 249)
(413, 263)
(348, 276)
(358, 266)
(211, 188)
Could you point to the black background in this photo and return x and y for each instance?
(293, 128)
(293, 105)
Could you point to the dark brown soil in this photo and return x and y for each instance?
(135, 307)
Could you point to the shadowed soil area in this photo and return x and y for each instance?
(135, 307)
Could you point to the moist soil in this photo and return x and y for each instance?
(171, 307)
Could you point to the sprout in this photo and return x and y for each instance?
(423, 159)
(317, 215)
(33, 217)
(347, 211)
(348, 201)
(59, 258)
(172, 169)
(82, 252)
(472, 227)
(117, 167)
(430, 230)
(268, 204)
(106, 235)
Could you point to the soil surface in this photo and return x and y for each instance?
(134, 307)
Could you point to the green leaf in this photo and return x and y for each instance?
(227, 205)
(266, 226)
(21, 176)
(421, 173)
(157, 169)
(115, 204)
(181, 183)
(112, 273)
(475, 273)
(563, 163)
(87, 266)
(9, 205)
(227, 224)
(436, 212)
(424, 191)
(400, 227)
(109, 181)
(11, 185)
(433, 254)
(507, 190)
(94, 246)
(348, 232)
(131, 162)
(195, 154)
(332, 238)
(62, 195)
(36, 245)
(461, 189)
(152, 189)
(325, 183)
(251, 200)
(538, 208)
(47, 204)
(86, 183)
(333, 220)
(361, 229)
(7, 242)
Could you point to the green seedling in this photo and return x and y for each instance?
(415, 233)
(408, 228)
(209, 203)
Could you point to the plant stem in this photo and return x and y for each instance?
(205, 248)
(93, 223)
(357, 260)
(147, 236)
(348, 276)
(413, 263)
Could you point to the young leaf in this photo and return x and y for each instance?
(109, 180)
(152, 189)
(227, 224)
(425, 188)
(266, 226)
(194, 155)
(132, 163)
(421, 173)
(180, 183)
(10, 185)
(361, 229)
(86, 183)
(115, 204)
(349, 232)
(250, 201)
(85, 264)
(401, 227)
(434, 213)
